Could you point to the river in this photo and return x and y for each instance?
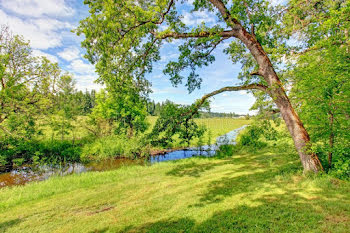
(25, 174)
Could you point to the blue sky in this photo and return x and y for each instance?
(47, 24)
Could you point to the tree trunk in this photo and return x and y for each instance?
(276, 91)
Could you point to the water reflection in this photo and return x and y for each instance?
(25, 174)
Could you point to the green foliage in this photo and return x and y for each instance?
(320, 93)
(253, 135)
(318, 23)
(15, 152)
(226, 150)
(124, 109)
(174, 120)
(32, 87)
(340, 159)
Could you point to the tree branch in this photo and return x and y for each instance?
(256, 72)
(232, 22)
(233, 88)
(224, 89)
(166, 12)
(176, 35)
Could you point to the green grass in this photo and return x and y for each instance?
(260, 192)
(215, 126)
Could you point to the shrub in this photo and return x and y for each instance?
(226, 150)
(250, 137)
(115, 146)
(16, 152)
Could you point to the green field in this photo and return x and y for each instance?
(247, 192)
(215, 126)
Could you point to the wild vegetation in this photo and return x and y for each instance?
(260, 191)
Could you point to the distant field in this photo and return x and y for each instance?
(217, 126)
(220, 126)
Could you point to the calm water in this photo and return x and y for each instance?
(25, 174)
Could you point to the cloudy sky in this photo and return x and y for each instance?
(47, 24)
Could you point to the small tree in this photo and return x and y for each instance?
(67, 108)
(27, 86)
(123, 109)
(173, 120)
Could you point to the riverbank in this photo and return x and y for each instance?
(28, 173)
(263, 191)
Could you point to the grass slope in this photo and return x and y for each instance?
(248, 192)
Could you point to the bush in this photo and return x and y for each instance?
(226, 150)
(256, 135)
(250, 137)
(115, 146)
(340, 161)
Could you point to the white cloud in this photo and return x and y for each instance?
(38, 8)
(169, 56)
(70, 53)
(197, 17)
(277, 2)
(38, 53)
(80, 67)
(243, 92)
(42, 33)
(168, 90)
(86, 82)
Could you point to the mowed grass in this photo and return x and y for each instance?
(263, 191)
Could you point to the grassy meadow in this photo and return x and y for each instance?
(263, 191)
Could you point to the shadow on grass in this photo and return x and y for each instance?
(218, 190)
(322, 209)
(195, 169)
(191, 169)
(287, 212)
(8, 224)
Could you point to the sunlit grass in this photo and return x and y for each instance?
(260, 192)
(215, 127)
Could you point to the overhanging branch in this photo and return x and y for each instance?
(176, 35)
(232, 88)
(224, 89)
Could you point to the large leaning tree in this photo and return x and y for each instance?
(123, 39)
